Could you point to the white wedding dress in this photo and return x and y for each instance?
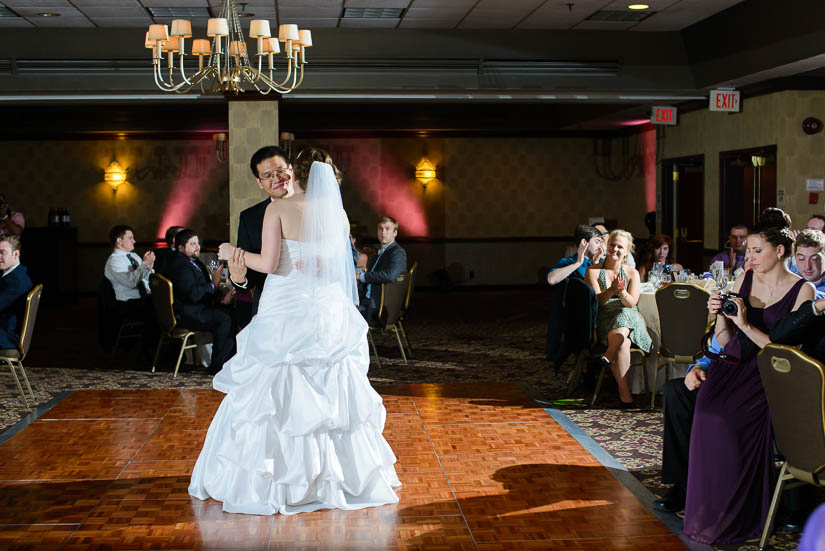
(300, 428)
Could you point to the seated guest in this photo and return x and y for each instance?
(816, 222)
(733, 257)
(588, 242)
(162, 255)
(604, 231)
(129, 274)
(659, 249)
(12, 222)
(384, 267)
(730, 467)
(808, 254)
(197, 299)
(14, 286)
(617, 288)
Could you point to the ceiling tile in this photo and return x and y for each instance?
(122, 22)
(504, 5)
(61, 22)
(604, 25)
(420, 23)
(111, 11)
(655, 5)
(84, 4)
(8, 22)
(307, 23)
(175, 3)
(14, 4)
(556, 15)
(316, 12)
(436, 13)
(309, 4)
(378, 3)
(64, 11)
(445, 4)
(356, 23)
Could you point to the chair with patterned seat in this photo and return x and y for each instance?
(14, 357)
(163, 300)
(389, 313)
(406, 306)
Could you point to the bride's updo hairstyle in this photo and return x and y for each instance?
(775, 227)
(303, 162)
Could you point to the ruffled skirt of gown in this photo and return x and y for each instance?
(300, 428)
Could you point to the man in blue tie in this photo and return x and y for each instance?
(14, 286)
(197, 297)
(384, 267)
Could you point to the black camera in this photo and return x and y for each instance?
(729, 307)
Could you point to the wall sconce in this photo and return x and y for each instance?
(287, 141)
(425, 172)
(220, 146)
(114, 175)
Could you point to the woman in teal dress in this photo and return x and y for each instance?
(620, 324)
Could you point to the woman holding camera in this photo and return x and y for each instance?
(730, 472)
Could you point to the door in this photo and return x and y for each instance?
(747, 187)
(683, 208)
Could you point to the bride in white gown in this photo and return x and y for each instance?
(300, 427)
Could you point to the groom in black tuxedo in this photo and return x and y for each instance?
(384, 267)
(271, 168)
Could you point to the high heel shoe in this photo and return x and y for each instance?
(626, 405)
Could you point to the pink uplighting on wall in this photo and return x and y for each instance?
(190, 188)
(397, 199)
(649, 163)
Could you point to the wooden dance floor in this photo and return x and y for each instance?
(482, 466)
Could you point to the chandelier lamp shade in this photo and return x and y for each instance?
(223, 60)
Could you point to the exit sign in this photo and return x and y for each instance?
(663, 114)
(725, 100)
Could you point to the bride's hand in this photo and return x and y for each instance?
(225, 251)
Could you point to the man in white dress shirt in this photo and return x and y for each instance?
(129, 275)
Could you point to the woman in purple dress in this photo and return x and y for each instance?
(731, 471)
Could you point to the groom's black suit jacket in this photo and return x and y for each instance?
(250, 227)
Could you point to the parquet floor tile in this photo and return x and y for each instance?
(360, 530)
(482, 438)
(169, 524)
(73, 449)
(650, 543)
(482, 467)
(198, 398)
(190, 418)
(35, 537)
(167, 467)
(181, 444)
(404, 426)
(47, 502)
(147, 489)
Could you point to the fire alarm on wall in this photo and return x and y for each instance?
(811, 125)
(813, 198)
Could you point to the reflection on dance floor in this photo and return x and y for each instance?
(482, 466)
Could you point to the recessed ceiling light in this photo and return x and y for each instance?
(638, 6)
(48, 14)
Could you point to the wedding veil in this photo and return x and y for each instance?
(326, 255)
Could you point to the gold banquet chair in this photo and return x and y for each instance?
(14, 357)
(163, 300)
(407, 298)
(795, 387)
(389, 313)
(683, 320)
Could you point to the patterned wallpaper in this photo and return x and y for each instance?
(486, 187)
(764, 120)
(168, 182)
(252, 125)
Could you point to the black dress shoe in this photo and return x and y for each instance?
(792, 526)
(673, 501)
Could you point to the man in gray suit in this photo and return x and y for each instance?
(384, 267)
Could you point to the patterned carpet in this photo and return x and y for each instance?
(461, 336)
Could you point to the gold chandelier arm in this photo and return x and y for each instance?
(182, 87)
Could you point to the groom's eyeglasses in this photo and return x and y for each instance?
(277, 173)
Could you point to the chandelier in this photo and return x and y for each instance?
(223, 63)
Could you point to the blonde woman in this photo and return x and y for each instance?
(619, 323)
